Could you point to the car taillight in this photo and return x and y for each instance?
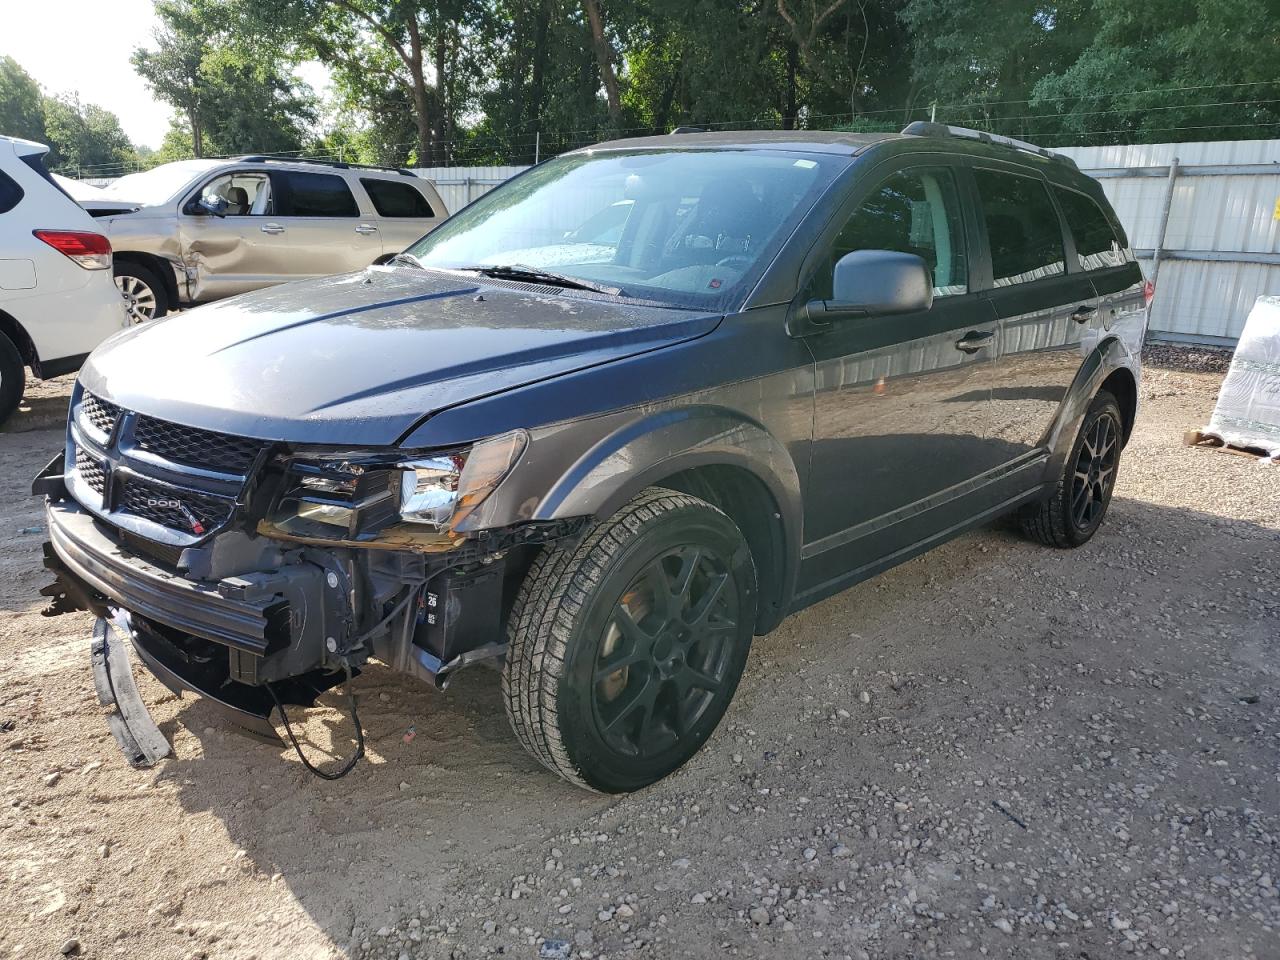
(90, 250)
(1148, 292)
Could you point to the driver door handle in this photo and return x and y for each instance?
(366, 228)
(271, 228)
(974, 340)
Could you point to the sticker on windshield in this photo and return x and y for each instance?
(805, 164)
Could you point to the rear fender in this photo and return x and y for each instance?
(1110, 355)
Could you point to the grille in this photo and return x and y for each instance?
(197, 448)
(90, 471)
(102, 414)
(178, 509)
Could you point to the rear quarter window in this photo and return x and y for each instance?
(393, 198)
(313, 195)
(1098, 243)
(10, 192)
(1022, 228)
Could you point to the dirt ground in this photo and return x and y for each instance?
(993, 750)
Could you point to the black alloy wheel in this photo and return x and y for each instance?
(626, 648)
(666, 652)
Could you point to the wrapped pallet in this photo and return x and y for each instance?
(1247, 413)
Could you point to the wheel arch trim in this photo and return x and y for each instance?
(679, 442)
(1106, 359)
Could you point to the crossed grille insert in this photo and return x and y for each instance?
(100, 414)
(195, 447)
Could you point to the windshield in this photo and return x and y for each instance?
(153, 186)
(681, 226)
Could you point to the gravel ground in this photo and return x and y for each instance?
(993, 750)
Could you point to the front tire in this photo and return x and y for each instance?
(13, 378)
(626, 648)
(1072, 515)
(144, 295)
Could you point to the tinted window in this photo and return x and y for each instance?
(1022, 227)
(10, 192)
(915, 211)
(314, 195)
(1097, 243)
(392, 199)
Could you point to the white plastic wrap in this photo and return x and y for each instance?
(1248, 410)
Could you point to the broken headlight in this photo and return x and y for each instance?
(360, 499)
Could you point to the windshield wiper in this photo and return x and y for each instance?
(518, 271)
(408, 258)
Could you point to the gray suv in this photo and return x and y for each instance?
(601, 428)
(199, 230)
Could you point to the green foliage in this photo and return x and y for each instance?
(1207, 70)
(233, 90)
(21, 107)
(83, 135)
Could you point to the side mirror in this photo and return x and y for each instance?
(214, 206)
(875, 282)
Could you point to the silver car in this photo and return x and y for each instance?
(199, 230)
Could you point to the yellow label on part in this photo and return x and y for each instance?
(1276, 215)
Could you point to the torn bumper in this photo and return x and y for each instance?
(220, 640)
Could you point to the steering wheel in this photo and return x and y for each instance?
(734, 261)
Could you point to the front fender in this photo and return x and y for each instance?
(593, 466)
(660, 444)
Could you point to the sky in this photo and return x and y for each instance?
(83, 46)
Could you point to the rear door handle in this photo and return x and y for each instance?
(366, 228)
(271, 228)
(974, 340)
(1084, 314)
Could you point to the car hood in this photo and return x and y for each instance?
(360, 359)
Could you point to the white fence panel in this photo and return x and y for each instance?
(458, 186)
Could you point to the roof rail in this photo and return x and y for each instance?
(339, 164)
(924, 128)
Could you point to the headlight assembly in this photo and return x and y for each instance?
(377, 501)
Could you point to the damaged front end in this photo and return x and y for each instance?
(259, 575)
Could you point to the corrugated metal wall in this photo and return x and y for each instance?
(1234, 217)
(458, 186)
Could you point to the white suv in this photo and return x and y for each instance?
(57, 300)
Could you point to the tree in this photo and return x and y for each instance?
(21, 103)
(84, 135)
(1171, 70)
(604, 58)
(234, 91)
(172, 70)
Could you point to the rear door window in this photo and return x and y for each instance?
(392, 198)
(10, 192)
(1098, 244)
(1022, 228)
(313, 195)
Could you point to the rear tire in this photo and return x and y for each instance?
(144, 295)
(13, 378)
(1078, 504)
(626, 647)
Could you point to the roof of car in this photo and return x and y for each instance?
(810, 141)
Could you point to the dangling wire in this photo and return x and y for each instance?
(346, 768)
(355, 719)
